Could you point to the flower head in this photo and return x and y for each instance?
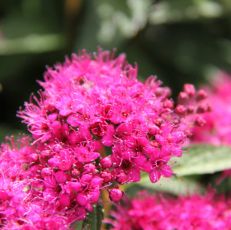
(166, 213)
(92, 103)
(95, 126)
(217, 130)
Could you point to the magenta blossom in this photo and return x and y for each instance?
(92, 103)
(22, 200)
(147, 212)
(217, 130)
(94, 126)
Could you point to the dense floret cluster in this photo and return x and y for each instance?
(217, 130)
(94, 126)
(23, 201)
(160, 212)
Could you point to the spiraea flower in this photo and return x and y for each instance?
(22, 203)
(95, 126)
(162, 212)
(217, 130)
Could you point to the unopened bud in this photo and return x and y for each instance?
(106, 162)
(201, 95)
(189, 89)
(180, 109)
(115, 194)
(200, 121)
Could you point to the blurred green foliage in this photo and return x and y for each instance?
(178, 40)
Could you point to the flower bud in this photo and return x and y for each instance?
(115, 194)
(106, 162)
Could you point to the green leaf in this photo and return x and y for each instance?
(173, 185)
(203, 159)
(94, 219)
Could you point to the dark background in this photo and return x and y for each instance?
(178, 40)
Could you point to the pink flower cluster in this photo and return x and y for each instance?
(197, 212)
(217, 130)
(94, 126)
(23, 203)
